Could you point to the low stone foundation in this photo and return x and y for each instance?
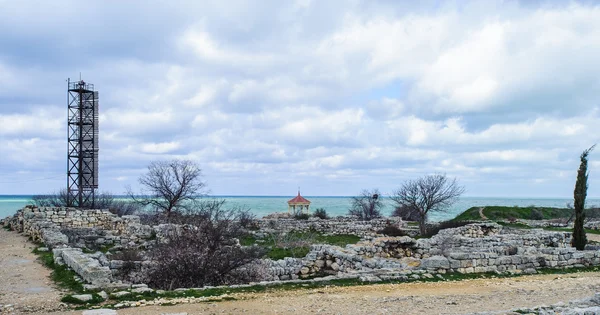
(67, 230)
(475, 248)
(337, 225)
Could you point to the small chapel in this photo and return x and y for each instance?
(298, 204)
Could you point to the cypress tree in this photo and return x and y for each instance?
(579, 239)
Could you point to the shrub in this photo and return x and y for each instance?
(247, 219)
(301, 216)
(122, 207)
(367, 205)
(195, 259)
(321, 214)
(407, 213)
(536, 214)
(391, 230)
(204, 252)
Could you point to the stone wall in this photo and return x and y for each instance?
(87, 227)
(338, 225)
(68, 230)
(475, 248)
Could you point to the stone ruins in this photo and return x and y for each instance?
(475, 248)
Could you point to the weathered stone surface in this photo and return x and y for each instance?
(435, 262)
(88, 268)
(120, 294)
(83, 297)
(141, 290)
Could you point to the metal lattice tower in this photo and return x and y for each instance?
(82, 158)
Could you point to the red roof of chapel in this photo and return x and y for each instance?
(298, 199)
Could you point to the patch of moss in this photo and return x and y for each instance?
(105, 248)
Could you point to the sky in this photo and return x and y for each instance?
(329, 96)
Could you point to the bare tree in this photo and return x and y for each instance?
(170, 185)
(431, 193)
(367, 205)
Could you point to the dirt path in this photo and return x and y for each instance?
(483, 217)
(415, 298)
(24, 282)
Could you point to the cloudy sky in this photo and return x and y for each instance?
(332, 96)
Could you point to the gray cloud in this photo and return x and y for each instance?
(334, 96)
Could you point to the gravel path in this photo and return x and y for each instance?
(24, 282)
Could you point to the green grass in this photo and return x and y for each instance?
(277, 253)
(589, 231)
(337, 240)
(336, 282)
(6, 227)
(515, 225)
(71, 300)
(61, 275)
(502, 213)
(274, 252)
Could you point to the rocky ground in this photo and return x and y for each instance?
(24, 284)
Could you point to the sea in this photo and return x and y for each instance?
(335, 206)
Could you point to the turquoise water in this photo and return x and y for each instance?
(264, 205)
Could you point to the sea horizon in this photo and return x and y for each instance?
(335, 205)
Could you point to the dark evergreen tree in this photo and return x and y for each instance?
(579, 239)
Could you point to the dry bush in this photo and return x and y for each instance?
(392, 230)
(204, 251)
(57, 199)
(321, 214)
(407, 213)
(367, 205)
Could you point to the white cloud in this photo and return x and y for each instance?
(39, 122)
(160, 148)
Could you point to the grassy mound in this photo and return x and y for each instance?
(504, 213)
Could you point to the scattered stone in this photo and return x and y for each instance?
(142, 290)
(103, 295)
(120, 294)
(83, 297)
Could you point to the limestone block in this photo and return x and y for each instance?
(435, 262)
